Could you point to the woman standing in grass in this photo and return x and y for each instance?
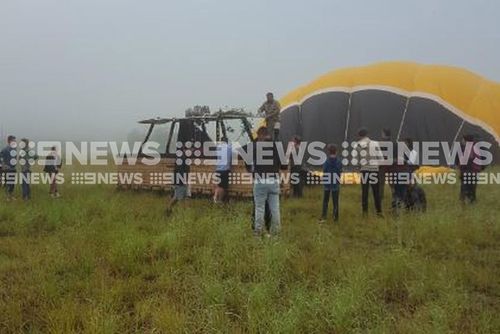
(52, 166)
(332, 170)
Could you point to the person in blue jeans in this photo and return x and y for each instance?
(27, 157)
(332, 170)
(8, 157)
(266, 175)
(181, 181)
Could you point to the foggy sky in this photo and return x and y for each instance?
(89, 69)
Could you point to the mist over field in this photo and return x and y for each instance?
(389, 109)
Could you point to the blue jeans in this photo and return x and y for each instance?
(267, 190)
(25, 185)
(335, 203)
(180, 192)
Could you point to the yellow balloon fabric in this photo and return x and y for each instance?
(469, 95)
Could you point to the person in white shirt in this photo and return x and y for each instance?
(368, 152)
(412, 158)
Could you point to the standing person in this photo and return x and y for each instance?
(271, 111)
(369, 155)
(52, 167)
(181, 182)
(266, 178)
(332, 170)
(391, 153)
(2, 180)
(414, 196)
(297, 169)
(412, 158)
(468, 172)
(267, 214)
(222, 170)
(8, 156)
(400, 176)
(27, 159)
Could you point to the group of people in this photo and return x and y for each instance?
(266, 185)
(405, 192)
(16, 163)
(377, 174)
(266, 190)
(266, 176)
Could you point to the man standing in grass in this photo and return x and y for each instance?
(181, 181)
(297, 169)
(468, 172)
(222, 170)
(8, 157)
(271, 111)
(391, 154)
(2, 180)
(368, 153)
(27, 159)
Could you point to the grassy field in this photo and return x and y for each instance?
(102, 261)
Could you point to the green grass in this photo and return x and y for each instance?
(102, 261)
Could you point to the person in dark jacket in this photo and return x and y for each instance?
(401, 171)
(332, 170)
(415, 198)
(2, 174)
(53, 164)
(371, 156)
(8, 158)
(297, 169)
(27, 157)
(391, 152)
(468, 172)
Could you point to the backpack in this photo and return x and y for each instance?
(50, 166)
(416, 199)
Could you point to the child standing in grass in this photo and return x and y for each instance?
(332, 170)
